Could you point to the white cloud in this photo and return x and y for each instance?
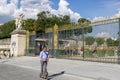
(116, 15)
(45, 5)
(98, 19)
(63, 9)
(103, 35)
(31, 7)
(15, 2)
(7, 8)
(6, 11)
(104, 18)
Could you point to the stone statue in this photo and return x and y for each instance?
(19, 21)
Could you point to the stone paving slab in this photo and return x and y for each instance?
(74, 70)
(12, 72)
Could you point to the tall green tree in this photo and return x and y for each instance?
(85, 26)
(66, 19)
(116, 42)
(110, 42)
(100, 41)
(30, 24)
(46, 20)
(6, 29)
(89, 40)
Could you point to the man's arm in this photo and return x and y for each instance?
(41, 56)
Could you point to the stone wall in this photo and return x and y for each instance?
(5, 46)
(5, 41)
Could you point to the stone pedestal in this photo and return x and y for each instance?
(18, 43)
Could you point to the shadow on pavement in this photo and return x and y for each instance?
(55, 75)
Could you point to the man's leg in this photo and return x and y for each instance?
(45, 66)
(42, 66)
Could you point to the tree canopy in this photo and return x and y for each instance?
(100, 41)
(89, 40)
(30, 24)
(111, 42)
(6, 29)
(44, 20)
(84, 30)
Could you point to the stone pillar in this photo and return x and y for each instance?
(18, 43)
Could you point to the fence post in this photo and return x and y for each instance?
(55, 40)
(119, 43)
(83, 43)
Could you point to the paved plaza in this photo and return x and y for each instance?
(28, 68)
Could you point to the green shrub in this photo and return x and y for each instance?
(60, 52)
(88, 53)
(110, 52)
(100, 53)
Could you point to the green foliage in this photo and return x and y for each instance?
(87, 30)
(89, 40)
(111, 42)
(88, 53)
(30, 24)
(46, 20)
(100, 41)
(84, 30)
(60, 52)
(100, 53)
(110, 52)
(83, 21)
(6, 29)
(116, 42)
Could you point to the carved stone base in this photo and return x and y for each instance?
(18, 43)
(18, 32)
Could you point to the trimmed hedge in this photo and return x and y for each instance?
(110, 52)
(100, 53)
(88, 53)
